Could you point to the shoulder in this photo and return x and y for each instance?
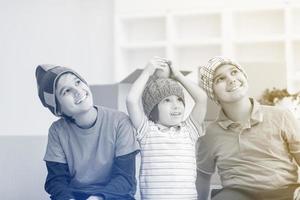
(212, 132)
(212, 127)
(268, 108)
(58, 125)
(275, 112)
(112, 113)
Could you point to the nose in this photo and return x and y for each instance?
(77, 92)
(231, 79)
(176, 104)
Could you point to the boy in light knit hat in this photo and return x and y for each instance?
(254, 147)
(156, 107)
(91, 149)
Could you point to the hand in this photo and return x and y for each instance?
(94, 198)
(297, 194)
(160, 67)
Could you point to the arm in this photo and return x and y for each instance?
(291, 134)
(57, 181)
(123, 182)
(198, 95)
(203, 185)
(133, 101)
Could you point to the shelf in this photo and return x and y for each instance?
(147, 29)
(260, 39)
(144, 45)
(262, 36)
(264, 75)
(190, 58)
(295, 21)
(296, 56)
(191, 43)
(261, 52)
(258, 23)
(197, 26)
(294, 82)
(138, 58)
(295, 38)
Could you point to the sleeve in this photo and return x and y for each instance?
(126, 141)
(123, 183)
(196, 131)
(205, 157)
(291, 130)
(57, 181)
(54, 151)
(143, 129)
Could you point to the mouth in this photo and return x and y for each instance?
(81, 98)
(176, 114)
(235, 87)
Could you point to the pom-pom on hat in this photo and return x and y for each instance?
(157, 89)
(207, 74)
(46, 77)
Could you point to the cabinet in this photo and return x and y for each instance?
(263, 38)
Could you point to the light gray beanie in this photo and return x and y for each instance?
(157, 89)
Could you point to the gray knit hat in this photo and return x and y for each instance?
(207, 74)
(46, 77)
(157, 89)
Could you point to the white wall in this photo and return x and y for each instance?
(74, 33)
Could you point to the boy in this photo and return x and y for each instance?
(253, 146)
(91, 149)
(156, 107)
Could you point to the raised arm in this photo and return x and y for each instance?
(198, 95)
(134, 98)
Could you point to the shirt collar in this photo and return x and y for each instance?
(255, 118)
(163, 128)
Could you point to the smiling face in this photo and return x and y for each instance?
(229, 84)
(73, 95)
(170, 111)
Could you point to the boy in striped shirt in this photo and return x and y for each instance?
(156, 107)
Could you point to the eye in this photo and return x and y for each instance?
(167, 100)
(234, 72)
(66, 91)
(220, 79)
(179, 99)
(77, 82)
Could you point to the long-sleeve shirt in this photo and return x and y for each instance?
(121, 185)
(93, 157)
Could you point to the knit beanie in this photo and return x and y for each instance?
(207, 74)
(157, 89)
(46, 77)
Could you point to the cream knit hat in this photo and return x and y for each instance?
(207, 74)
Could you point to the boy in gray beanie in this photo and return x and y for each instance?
(91, 149)
(156, 107)
(253, 146)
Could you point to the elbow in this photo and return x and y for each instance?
(131, 100)
(48, 187)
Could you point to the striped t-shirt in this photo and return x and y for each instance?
(168, 166)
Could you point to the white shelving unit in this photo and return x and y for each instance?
(264, 39)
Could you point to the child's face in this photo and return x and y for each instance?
(229, 84)
(170, 111)
(73, 95)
